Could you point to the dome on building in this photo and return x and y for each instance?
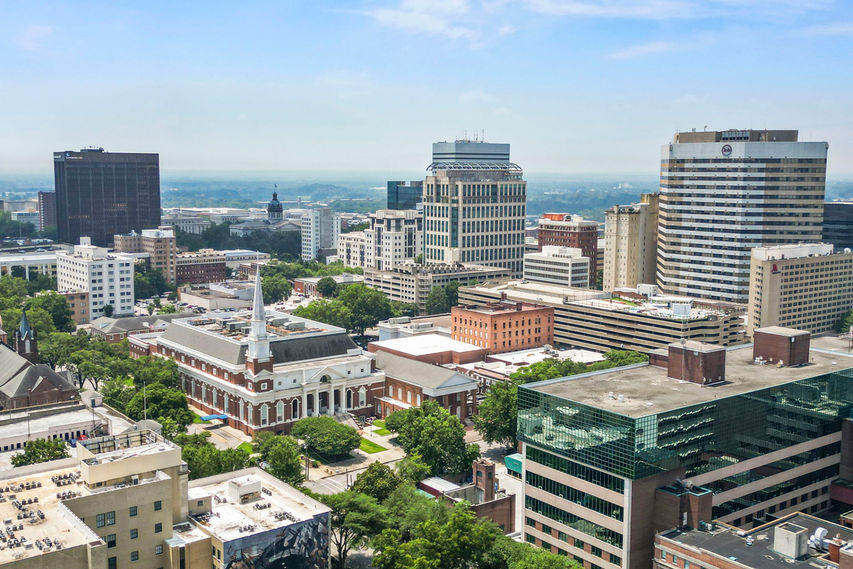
(274, 208)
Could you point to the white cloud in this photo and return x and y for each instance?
(642, 49)
(429, 17)
(505, 30)
(633, 9)
(33, 37)
(471, 97)
(837, 29)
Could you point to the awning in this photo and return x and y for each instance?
(210, 417)
(513, 462)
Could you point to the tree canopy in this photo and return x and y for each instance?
(56, 306)
(40, 450)
(438, 437)
(437, 301)
(327, 287)
(354, 519)
(282, 455)
(204, 459)
(378, 481)
(326, 437)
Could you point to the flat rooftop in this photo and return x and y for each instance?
(503, 307)
(759, 554)
(647, 390)
(279, 505)
(538, 292)
(232, 325)
(423, 344)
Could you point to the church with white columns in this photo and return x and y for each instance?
(265, 369)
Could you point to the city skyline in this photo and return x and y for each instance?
(576, 86)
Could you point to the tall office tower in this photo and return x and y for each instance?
(567, 230)
(474, 206)
(160, 244)
(838, 224)
(320, 229)
(100, 194)
(724, 193)
(47, 210)
(402, 195)
(630, 243)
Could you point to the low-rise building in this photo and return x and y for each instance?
(404, 326)
(431, 348)
(78, 302)
(188, 223)
(565, 266)
(499, 367)
(806, 286)
(409, 383)
(42, 262)
(308, 285)
(411, 283)
(202, 266)
(107, 277)
(218, 296)
(598, 321)
(160, 244)
(567, 230)
(235, 257)
(503, 326)
(114, 330)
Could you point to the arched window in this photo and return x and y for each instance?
(264, 415)
(349, 399)
(294, 409)
(279, 412)
(204, 393)
(362, 397)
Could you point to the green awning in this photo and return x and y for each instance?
(513, 462)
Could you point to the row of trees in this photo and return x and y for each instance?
(280, 244)
(497, 416)
(355, 308)
(47, 311)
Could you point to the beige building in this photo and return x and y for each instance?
(808, 287)
(630, 243)
(594, 320)
(564, 266)
(160, 244)
(125, 501)
(412, 283)
(724, 193)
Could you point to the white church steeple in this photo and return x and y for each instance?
(259, 343)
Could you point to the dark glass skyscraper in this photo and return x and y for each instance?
(100, 194)
(405, 196)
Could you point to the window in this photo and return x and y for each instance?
(132, 511)
(663, 555)
(134, 556)
(530, 538)
(158, 505)
(158, 527)
(111, 540)
(111, 518)
(100, 520)
(134, 533)
(112, 563)
(158, 549)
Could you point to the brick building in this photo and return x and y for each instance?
(409, 383)
(567, 230)
(203, 266)
(503, 326)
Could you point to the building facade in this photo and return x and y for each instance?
(320, 229)
(160, 244)
(838, 224)
(394, 236)
(503, 326)
(47, 210)
(106, 277)
(724, 193)
(100, 194)
(78, 302)
(564, 266)
(809, 287)
(202, 266)
(612, 458)
(630, 243)
(474, 206)
(403, 195)
(567, 230)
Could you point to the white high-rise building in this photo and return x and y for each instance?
(107, 277)
(474, 206)
(320, 229)
(394, 237)
(724, 193)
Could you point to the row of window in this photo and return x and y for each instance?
(109, 518)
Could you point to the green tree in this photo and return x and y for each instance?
(437, 302)
(12, 291)
(168, 309)
(367, 306)
(326, 437)
(436, 436)
(276, 288)
(40, 450)
(204, 459)
(149, 370)
(844, 324)
(412, 468)
(355, 518)
(284, 459)
(39, 283)
(497, 415)
(327, 287)
(408, 508)
(162, 401)
(39, 319)
(377, 480)
(333, 312)
(262, 443)
(108, 310)
(452, 290)
(56, 349)
(57, 306)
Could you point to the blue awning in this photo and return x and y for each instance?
(209, 417)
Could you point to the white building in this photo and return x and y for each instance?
(394, 237)
(320, 229)
(351, 249)
(107, 277)
(565, 266)
(724, 193)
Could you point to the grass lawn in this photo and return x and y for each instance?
(197, 420)
(246, 447)
(370, 447)
(382, 432)
(379, 423)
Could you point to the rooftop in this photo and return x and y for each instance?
(754, 548)
(646, 389)
(792, 251)
(250, 501)
(502, 307)
(423, 344)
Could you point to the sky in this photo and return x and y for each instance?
(575, 86)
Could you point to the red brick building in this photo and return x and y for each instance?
(567, 230)
(503, 326)
(204, 266)
(409, 383)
